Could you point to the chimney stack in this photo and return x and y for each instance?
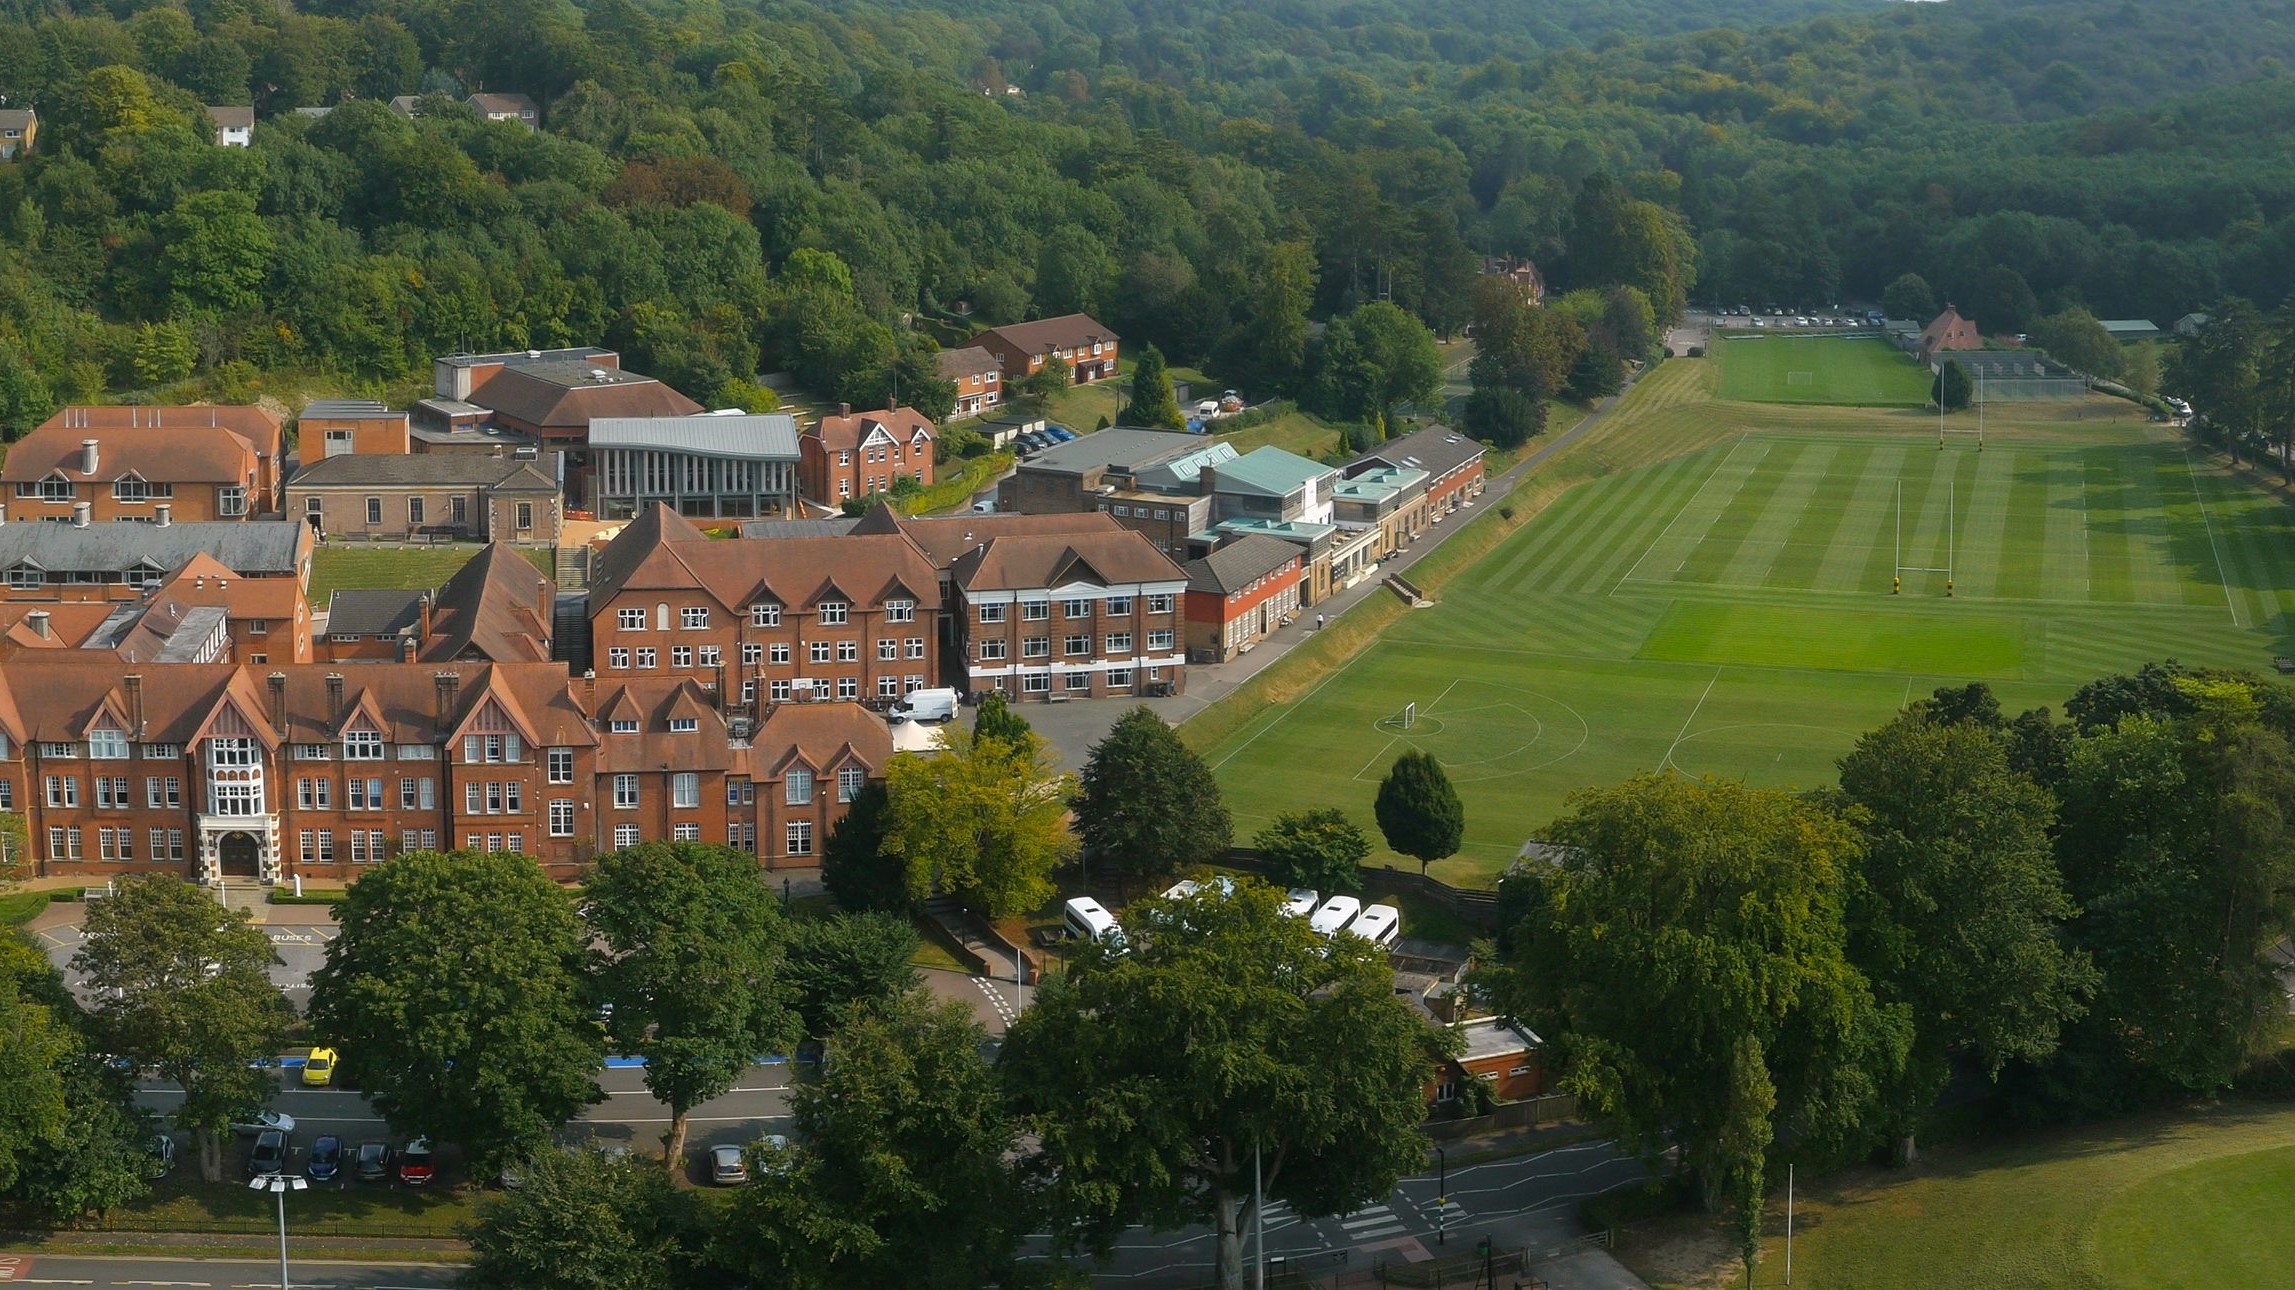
(590, 691)
(37, 620)
(133, 683)
(90, 450)
(406, 645)
(163, 514)
(334, 693)
(82, 512)
(423, 608)
(278, 682)
(449, 687)
(843, 410)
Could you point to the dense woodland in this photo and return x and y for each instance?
(724, 189)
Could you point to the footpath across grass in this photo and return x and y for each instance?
(2186, 1198)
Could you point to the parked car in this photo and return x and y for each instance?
(268, 1155)
(416, 1168)
(1059, 433)
(319, 1068)
(161, 1149)
(326, 1162)
(776, 1153)
(371, 1162)
(726, 1166)
(253, 1120)
(1207, 408)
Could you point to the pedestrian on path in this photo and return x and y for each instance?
(1318, 622)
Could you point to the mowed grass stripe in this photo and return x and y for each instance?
(1562, 530)
(1705, 562)
(1928, 507)
(2262, 529)
(2075, 565)
(1680, 538)
(1986, 525)
(1604, 533)
(1605, 573)
(2143, 520)
(2024, 540)
(1862, 546)
(1765, 544)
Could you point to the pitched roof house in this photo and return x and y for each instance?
(19, 127)
(978, 376)
(507, 107)
(1948, 331)
(234, 126)
(854, 454)
(120, 560)
(126, 462)
(1086, 344)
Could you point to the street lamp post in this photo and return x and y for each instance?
(1442, 1197)
(279, 1185)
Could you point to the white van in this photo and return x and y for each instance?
(1088, 920)
(926, 705)
(1379, 924)
(1300, 902)
(1334, 916)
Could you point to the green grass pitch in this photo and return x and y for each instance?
(1848, 371)
(1729, 610)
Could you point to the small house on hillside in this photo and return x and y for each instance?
(18, 128)
(234, 126)
(1948, 331)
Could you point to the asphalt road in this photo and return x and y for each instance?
(214, 1274)
(1526, 1201)
(629, 1116)
(301, 949)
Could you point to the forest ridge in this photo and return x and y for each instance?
(724, 189)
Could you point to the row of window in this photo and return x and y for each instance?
(1119, 678)
(694, 618)
(115, 844)
(755, 653)
(1033, 611)
(785, 690)
(1117, 644)
(369, 846)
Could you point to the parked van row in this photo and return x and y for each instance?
(1086, 919)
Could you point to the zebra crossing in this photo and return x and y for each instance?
(1372, 1224)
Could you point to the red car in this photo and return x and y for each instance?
(415, 1166)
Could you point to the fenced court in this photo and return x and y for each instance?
(1749, 608)
(2017, 376)
(1854, 369)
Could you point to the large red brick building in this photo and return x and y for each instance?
(217, 771)
(1087, 345)
(854, 454)
(208, 462)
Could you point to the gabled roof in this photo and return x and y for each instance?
(1269, 472)
(17, 118)
(189, 607)
(496, 607)
(643, 544)
(822, 735)
(231, 118)
(849, 431)
(945, 539)
(516, 103)
(970, 361)
(1240, 563)
(180, 445)
(426, 470)
(650, 554)
(1064, 332)
(362, 611)
(769, 436)
(654, 701)
(1022, 562)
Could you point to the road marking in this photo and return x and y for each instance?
(1003, 1009)
(163, 1283)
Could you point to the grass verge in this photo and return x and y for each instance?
(21, 907)
(335, 567)
(181, 1205)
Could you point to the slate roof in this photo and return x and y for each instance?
(249, 548)
(365, 611)
(767, 436)
(1240, 563)
(837, 527)
(426, 470)
(1437, 450)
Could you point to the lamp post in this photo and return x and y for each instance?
(279, 1185)
(1442, 1197)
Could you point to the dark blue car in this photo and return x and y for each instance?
(326, 1162)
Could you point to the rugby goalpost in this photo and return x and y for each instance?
(1941, 430)
(1951, 522)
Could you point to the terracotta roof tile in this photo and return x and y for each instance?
(849, 431)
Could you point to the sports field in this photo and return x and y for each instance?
(1717, 597)
(2194, 1198)
(1850, 371)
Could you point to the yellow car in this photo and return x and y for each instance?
(319, 1068)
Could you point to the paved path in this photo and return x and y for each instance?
(101, 1273)
(1073, 727)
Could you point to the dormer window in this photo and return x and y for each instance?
(764, 615)
(25, 576)
(684, 725)
(134, 490)
(833, 613)
(108, 744)
(55, 489)
(362, 745)
(623, 727)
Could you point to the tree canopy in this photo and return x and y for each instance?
(1145, 803)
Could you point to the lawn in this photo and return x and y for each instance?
(1855, 371)
(2184, 1198)
(335, 566)
(1294, 431)
(184, 1204)
(1706, 585)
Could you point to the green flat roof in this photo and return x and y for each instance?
(1270, 471)
(1376, 485)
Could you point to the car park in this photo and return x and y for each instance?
(1059, 434)
(416, 1167)
(249, 1120)
(727, 1168)
(268, 1155)
(319, 1068)
(326, 1162)
(371, 1162)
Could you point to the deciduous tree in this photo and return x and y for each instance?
(1157, 1077)
(580, 1219)
(836, 964)
(182, 984)
(1145, 803)
(984, 820)
(1910, 297)
(695, 970)
(1951, 389)
(855, 866)
(455, 990)
(1319, 848)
